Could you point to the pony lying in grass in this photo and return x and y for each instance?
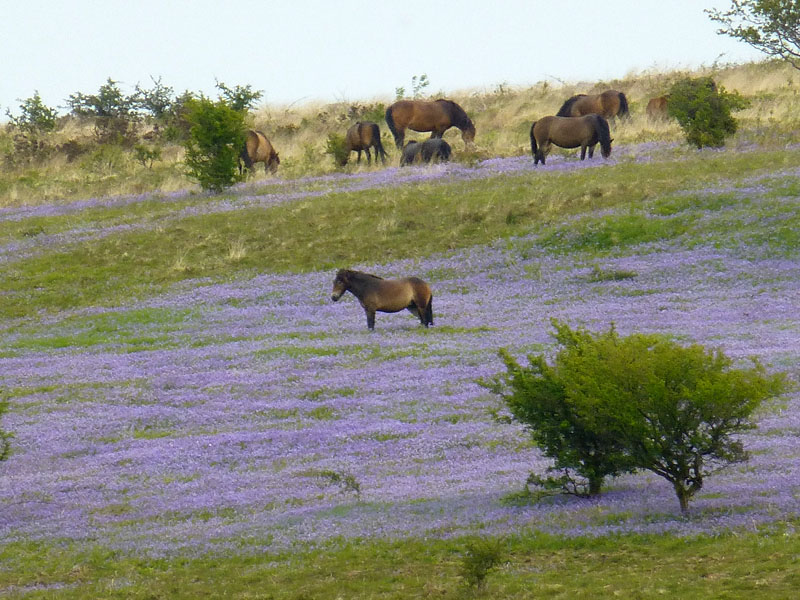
(430, 150)
(385, 295)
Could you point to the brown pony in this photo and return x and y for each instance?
(385, 295)
(657, 108)
(363, 136)
(610, 103)
(570, 132)
(257, 148)
(436, 116)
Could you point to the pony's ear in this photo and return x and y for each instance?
(611, 140)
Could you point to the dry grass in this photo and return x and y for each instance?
(299, 132)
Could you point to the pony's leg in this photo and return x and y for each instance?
(358, 160)
(370, 318)
(591, 151)
(369, 158)
(583, 152)
(428, 319)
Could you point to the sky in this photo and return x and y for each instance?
(345, 50)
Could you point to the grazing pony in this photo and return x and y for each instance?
(363, 136)
(430, 150)
(385, 295)
(657, 108)
(436, 116)
(570, 132)
(610, 103)
(257, 148)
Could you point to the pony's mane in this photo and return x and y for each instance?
(359, 274)
(458, 116)
(565, 109)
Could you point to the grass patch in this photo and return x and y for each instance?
(533, 566)
(318, 234)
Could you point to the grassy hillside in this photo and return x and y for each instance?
(193, 416)
(502, 115)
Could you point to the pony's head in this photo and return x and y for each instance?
(273, 162)
(340, 284)
(468, 131)
(603, 136)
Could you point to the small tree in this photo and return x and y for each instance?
(704, 111)
(336, 146)
(611, 404)
(771, 26)
(159, 100)
(240, 98)
(540, 397)
(216, 138)
(113, 112)
(34, 122)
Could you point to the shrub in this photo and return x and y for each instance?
(34, 122)
(239, 98)
(480, 557)
(216, 137)
(5, 438)
(112, 111)
(609, 404)
(336, 146)
(704, 111)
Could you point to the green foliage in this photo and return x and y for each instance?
(480, 557)
(5, 437)
(146, 156)
(609, 404)
(336, 146)
(418, 85)
(771, 26)
(240, 98)
(540, 397)
(35, 117)
(216, 137)
(108, 102)
(159, 100)
(704, 111)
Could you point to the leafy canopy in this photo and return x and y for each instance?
(771, 26)
(609, 404)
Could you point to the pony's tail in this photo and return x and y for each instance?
(624, 111)
(376, 135)
(392, 128)
(534, 147)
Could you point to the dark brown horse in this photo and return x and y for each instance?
(436, 116)
(657, 108)
(610, 103)
(257, 148)
(385, 295)
(430, 150)
(363, 136)
(570, 132)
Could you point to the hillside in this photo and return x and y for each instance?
(193, 415)
(78, 167)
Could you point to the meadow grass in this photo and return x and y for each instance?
(344, 229)
(749, 565)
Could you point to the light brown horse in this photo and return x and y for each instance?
(385, 295)
(610, 103)
(570, 132)
(363, 136)
(657, 108)
(436, 116)
(257, 148)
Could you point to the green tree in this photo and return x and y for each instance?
(540, 396)
(216, 137)
(703, 110)
(771, 26)
(240, 98)
(35, 118)
(609, 404)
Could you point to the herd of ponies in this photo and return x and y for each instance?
(581, 122)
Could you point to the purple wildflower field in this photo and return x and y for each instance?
(258, 415)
